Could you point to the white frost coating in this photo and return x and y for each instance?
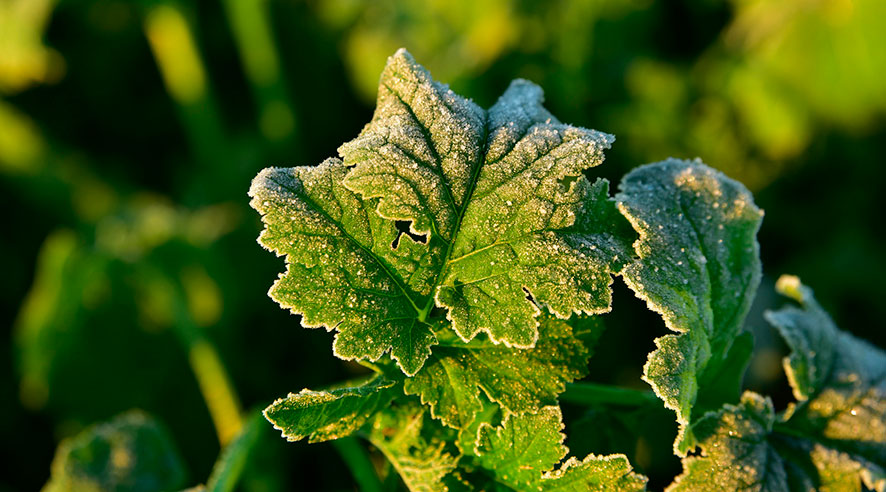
(518, 382)
(698, 266)
(336, 275)
(497, 190)
(420, 151)
(325, 415)
(511, 222)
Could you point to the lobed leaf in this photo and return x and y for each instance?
(509, 221)
(834, 438)
(698, 266)
(325, 415)
(518, 380)
(131, 452)
(523, 452)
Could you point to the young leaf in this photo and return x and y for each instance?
(736, 452)
(834, 438)
(699, 268)
(838, 380)
(508, 219)
(524, 450)
(414, 446)
(518, 380)
(324, 415)
(131, 452)
(745, 448)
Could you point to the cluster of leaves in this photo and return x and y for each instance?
(472, 247)
(469, 244)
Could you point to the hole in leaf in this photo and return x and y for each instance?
(530, 298)
(403, 228)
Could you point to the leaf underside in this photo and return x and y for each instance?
(833, 438)
(698, 266)
(509, 222)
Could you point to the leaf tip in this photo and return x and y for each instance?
(791, 286)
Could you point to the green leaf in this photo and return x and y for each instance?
(523, 452)
(325, 415)
(745, 447)
(518, 380)
(698, 267)
(833, 438)
(415, 446)
(131, 452)
(838, 380)
(509, 221)
(736, 452)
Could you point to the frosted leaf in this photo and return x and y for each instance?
(341, 270)
(501, 192)
(736, 454)
(507, 220)
(325, 415)
(519, 381)
(698, 266)
(523, 452)
(748, 447)
(832, 438)
(838, 380)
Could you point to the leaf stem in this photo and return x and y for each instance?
(596, 394)
(217, 390)
(357, 459)
(232, 461)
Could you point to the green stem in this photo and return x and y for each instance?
(357, 459)
(230, 465)
(596, 394)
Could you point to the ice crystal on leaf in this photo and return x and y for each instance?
(698, 266)
(832, 438)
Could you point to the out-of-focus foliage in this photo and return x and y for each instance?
(113, 184)
(24, 59)
(132, 452)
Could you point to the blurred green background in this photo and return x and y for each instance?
(129, 133)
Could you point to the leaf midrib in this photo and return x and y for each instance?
(475, 174)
